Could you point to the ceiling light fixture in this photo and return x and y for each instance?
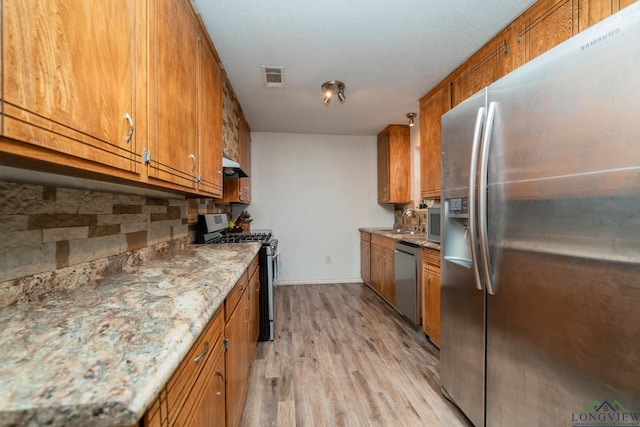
(411, 116)
(332, 88)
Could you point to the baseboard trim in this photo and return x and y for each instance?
(319, 282)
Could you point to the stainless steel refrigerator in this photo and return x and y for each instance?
(540, 251)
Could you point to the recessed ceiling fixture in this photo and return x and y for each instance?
(332, 88)
(411, 117)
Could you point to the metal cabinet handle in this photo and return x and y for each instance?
(128, 137)
(218, 373)
(204, 352)
(192, 157)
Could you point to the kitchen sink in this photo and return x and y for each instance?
(400, 231)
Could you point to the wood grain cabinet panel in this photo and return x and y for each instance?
(365, 257)
(431, 294)
(177, 400)
(478, 72)
(593, 11)
(382, 271)
(71, 80)
(432, 107)
(237, 360)
(173, 53)
(253, 301)
(389, 275)
(210, 408)
(376, 268)
(393, 165)
(209, 123)
(547, 24)
(238, 190)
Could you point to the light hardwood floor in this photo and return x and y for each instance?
(343, 357)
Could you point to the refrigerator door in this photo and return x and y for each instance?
(462, 341)
(563, 327)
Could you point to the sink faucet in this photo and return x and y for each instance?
(411, 213)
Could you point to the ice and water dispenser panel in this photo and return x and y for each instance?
(457, 239)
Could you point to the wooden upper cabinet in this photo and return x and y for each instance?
(393, 165)
(238, 190)
(482, 69)
(547, 24)
(209, 122)
(592, 11)
(71, 82)
(173, 93)
(432, 107)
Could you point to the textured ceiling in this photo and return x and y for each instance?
(388, 53)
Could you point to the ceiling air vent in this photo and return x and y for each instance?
(273, 76)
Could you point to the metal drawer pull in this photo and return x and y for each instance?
(201, 355)
(218, 373)
(127, 138)
(192, 157)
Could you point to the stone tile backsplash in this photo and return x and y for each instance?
(48, 228)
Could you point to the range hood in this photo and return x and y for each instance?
(231, 169)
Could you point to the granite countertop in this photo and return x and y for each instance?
(98, 355)
(419, 239)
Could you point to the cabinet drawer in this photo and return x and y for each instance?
(430, 256)
(234, 297)
(383, 242)
(173, 397)
(252, 269)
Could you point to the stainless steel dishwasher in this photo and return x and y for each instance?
(408, 281)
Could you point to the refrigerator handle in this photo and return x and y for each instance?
(482, 199)
(473, 172)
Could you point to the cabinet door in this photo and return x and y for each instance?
(433, 303)
(425, 297)
(376, 267)
(365, 260)
(479, 71)
(173, 93)
(70, 82)
(209, 123)
(623, 3)
(432, 107)
(244, 138)
(210, 411)
(383, 167)
(238, 190)
(389, 276)
(237, 362)
(253, 296)
(547, 24)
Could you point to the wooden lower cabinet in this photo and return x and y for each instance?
(177, 400)
(431, 294)
(389, 275)
(210, 410)
(382, 267)
(209, 387)
(365, 257)
(237, 359)
(253, 301)
(376, 268)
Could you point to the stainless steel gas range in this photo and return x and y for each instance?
(213, 229)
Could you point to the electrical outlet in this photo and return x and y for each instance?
(327, 259)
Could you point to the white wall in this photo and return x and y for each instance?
(315, 191)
